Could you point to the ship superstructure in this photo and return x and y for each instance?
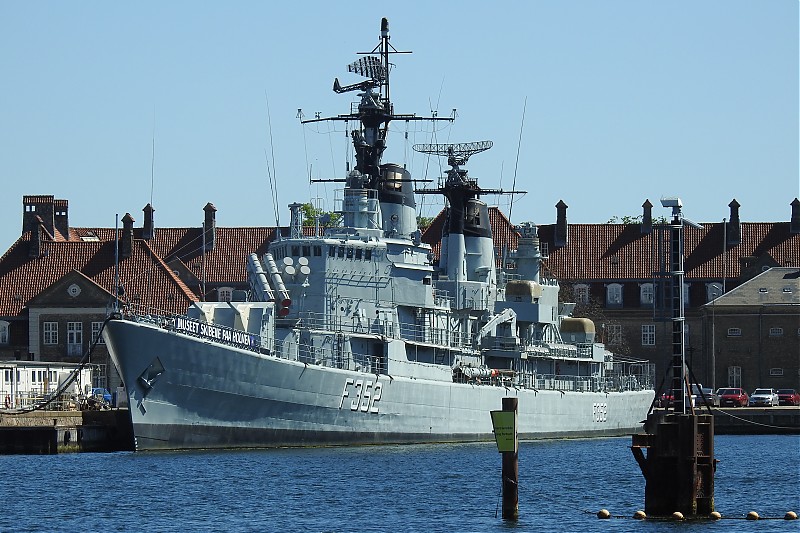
(359, 335)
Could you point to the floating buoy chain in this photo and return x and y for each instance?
(604, 514)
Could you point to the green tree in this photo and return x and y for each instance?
(327, 219)
(424, 222)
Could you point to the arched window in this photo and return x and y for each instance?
(614, 294)
(581, 293)
(646, 293)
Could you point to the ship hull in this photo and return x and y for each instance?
(187, 392)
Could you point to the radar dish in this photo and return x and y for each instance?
(369, 67)
(457, 154)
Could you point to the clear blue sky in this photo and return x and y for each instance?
(626, 100)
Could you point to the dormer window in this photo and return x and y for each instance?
(581, 293)
(614, 295)
(646, 293)
(225, 294)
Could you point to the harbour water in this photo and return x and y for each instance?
(563, 483)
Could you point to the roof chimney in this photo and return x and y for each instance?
(126, 239)
(647, 216)
(41, 207)
(560, 238)
(794, 223)
(210, 226)
(61, 217)
(734, 225)
(148, 232)
(35, 247)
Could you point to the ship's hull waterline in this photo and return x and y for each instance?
(204, 394)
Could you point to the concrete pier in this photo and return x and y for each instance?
(756, 420)
(53, 432)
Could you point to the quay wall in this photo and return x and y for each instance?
(52, 432)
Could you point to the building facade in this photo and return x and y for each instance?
(57, 283)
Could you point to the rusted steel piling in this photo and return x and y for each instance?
(679, 466)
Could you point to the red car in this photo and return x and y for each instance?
(733, 397)
(788, 397)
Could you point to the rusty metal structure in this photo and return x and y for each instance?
(679, 463)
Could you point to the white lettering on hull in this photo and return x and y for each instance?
(365, 395)
(599, 412)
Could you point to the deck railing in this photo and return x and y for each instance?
(623, 376)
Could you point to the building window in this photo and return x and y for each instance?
(614, 333)
(713, 291)
(581, 293)
(74, 338)
(614, 294)
(686, 295)
(224, 294)
(735, 376)
(648, 334)
(3, 332)
(775, 371)
(775, 332)
(646, 293)
(50, 330)
(96, 336)
(734, 332)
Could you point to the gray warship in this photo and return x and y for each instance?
(359, 335)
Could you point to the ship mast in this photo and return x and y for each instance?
(374, 113)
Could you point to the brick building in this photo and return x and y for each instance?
(57, 282)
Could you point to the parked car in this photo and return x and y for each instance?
(705, 396)
(788, 397)
(733, 397)
(665, 400)
(763, 397)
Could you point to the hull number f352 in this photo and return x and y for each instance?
(363, 395)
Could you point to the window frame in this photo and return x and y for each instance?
(648, 334)
(580, 291)
(646, 294)
(96, 336)
(614, 331)
(50, 333)
(614, 289)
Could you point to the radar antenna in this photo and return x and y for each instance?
(457, 154)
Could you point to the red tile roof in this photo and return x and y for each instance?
(593, 252)
(622, 251)
(147, 280)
